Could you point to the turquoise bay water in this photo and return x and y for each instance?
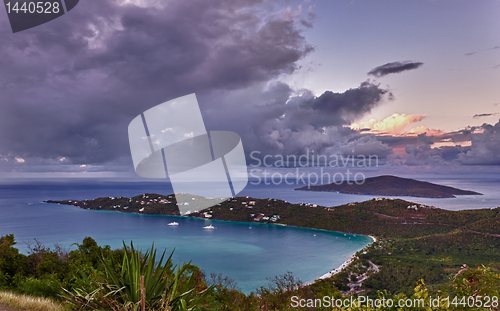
(248, 253)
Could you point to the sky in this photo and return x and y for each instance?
(415, 83)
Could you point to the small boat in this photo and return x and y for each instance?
(173, 224)
(209, 227)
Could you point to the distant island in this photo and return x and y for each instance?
(388, 185)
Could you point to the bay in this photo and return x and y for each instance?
(248, 253)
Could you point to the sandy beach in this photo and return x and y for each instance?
(333, 272)
(341, 267)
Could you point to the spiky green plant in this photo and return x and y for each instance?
(166, 287)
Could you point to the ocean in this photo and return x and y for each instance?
(248, 253)
(489, 187)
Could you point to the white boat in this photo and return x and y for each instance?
(209, 227)
(173, 224)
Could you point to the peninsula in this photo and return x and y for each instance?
(392, 186)
(389, 218)
(413, 241)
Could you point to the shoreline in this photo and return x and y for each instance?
(344, 265)
(329, 274)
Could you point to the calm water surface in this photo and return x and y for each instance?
(248, 253)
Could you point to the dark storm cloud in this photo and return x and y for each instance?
(278, 121)
(420, 155)
(425, 155)
(273, 119)
(70, 87)
(333, 109)
(450, 153)
(367, 146)
(397, 141)
(484, 115)
(419, 150)
(485, 148)
(428, 140)
(395, 67)
(461, 135)
(457, 137)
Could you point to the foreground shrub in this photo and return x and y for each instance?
(478, 282)
(44, 287)
(141, 283)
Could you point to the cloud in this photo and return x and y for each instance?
(331, 108)
(394, 124)
(426, 147)
(395, 67)
(423, 155)
(70, 87)
(485, 115)
(367, 146)
(473, 53)
(422, 129)
(485, 147)
(274, 119)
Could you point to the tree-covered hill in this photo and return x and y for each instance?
(392, 186)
